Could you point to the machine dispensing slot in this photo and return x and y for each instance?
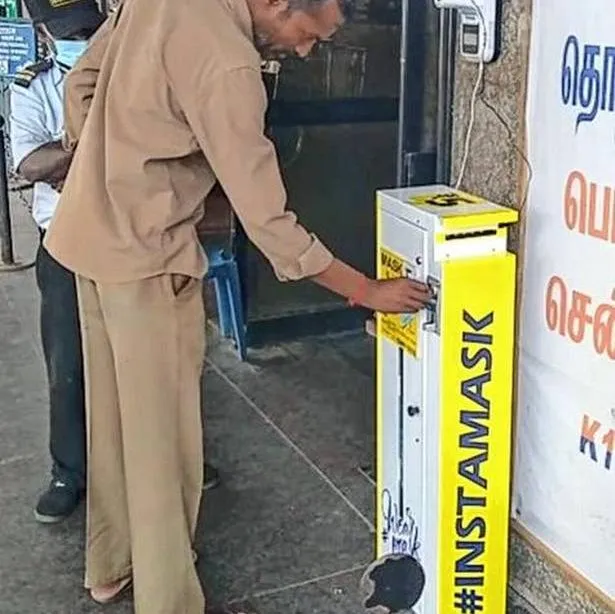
(490, 232)
(432, 310)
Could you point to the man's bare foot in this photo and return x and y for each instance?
(104, 595)
(112, 592)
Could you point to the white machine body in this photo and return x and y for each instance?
(427, 508)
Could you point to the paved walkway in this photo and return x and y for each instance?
(290, 528)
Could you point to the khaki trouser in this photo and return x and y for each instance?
(144, 345)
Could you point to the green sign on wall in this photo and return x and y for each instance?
(10, 8)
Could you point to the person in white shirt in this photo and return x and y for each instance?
(36, 127)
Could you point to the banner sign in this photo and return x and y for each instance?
(565, 473)
(17, 46)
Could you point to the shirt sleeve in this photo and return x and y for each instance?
(80, 84)
(28, 126)
(227, 115)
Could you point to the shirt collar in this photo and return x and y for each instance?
(241, 14)
(58, 73)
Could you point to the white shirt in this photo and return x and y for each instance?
(37, 118)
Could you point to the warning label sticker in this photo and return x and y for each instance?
(401, 329)
(446, 199)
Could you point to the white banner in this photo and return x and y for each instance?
(565, 472)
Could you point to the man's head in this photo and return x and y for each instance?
(65, 25)
(295, 25)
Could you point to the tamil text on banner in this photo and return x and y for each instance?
(565, 478)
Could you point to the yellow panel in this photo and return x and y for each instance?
(459, 210)
(475, 448)
(448, 198)
(401, 329)
(479, 220)
(441, 237)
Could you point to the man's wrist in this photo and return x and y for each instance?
(346, 281)
(358, 297)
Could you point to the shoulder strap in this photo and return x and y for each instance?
(27, 74)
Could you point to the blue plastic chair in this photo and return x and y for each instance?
(224, 273)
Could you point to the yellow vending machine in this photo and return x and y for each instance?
(444, 395)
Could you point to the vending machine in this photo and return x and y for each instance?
(444, 406)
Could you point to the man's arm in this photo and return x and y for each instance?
(49, 163)
(388, 295)
(80, 84)
(227, 116)
(36, 155)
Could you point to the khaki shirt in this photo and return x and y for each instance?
(169, 97)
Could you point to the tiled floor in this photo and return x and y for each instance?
(290, 528)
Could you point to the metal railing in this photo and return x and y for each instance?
(7, 257)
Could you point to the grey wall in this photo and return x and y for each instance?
(494, 166)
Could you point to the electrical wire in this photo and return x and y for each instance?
(286, 163)
(471, 122)
(478, 95)
(273, 67)
(520, 152)
(475, 92)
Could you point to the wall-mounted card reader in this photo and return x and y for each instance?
(479, 31)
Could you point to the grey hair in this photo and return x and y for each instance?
(311, 5)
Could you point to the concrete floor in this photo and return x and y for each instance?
(290, 528)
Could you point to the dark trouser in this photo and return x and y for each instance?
(61, 338)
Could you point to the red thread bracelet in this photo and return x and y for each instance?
(358, 296)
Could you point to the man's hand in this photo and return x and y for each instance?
(386, 296)
(396, 295)
(49, 164)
